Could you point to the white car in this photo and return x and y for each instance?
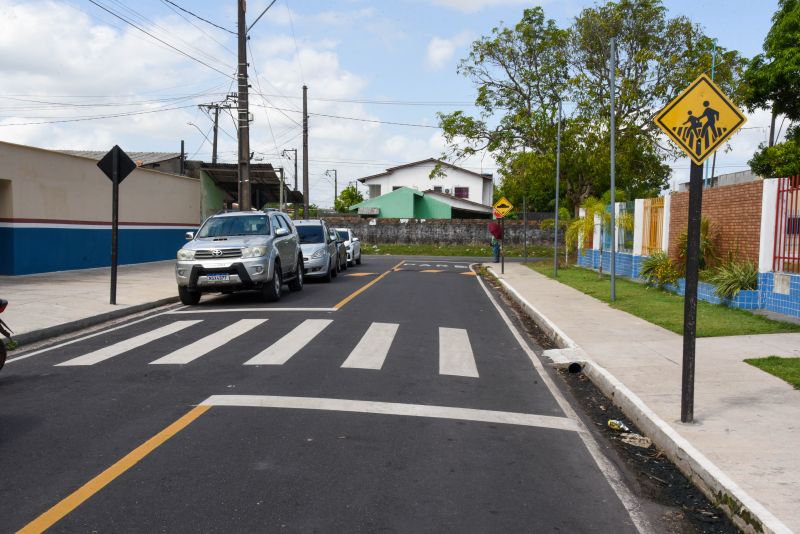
(352, 244)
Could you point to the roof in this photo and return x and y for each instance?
(460, 203)
(263, 179)
(141, 158)
(434, 161)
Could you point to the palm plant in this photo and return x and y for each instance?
(595, 208)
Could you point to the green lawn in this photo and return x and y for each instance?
(787, 369)
(664, 308)
(512, 251)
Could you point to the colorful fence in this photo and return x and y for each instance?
(653, 225)
(786, 255)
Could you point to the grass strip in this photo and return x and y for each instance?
(663, 308)
(409, 249)
(787, 369)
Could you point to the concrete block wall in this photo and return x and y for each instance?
(441, 231)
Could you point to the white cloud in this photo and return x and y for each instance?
(441, 50)
(471, 6)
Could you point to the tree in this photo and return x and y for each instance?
(350, 196)
(520, 74)
(773, 81)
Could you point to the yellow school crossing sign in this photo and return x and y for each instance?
(502, 207)
(700, 119)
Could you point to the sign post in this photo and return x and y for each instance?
(501, 208)
(698, 120)
(117, 166)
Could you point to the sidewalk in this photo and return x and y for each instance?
(747, 422)
(51, 304)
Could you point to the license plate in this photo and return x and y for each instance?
(220, 277)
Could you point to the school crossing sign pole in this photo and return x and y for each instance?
(699, 120)
(500, 209)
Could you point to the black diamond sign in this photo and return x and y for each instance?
(125, 165)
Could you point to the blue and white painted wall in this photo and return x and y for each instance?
(55, 213)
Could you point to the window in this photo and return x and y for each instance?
(236, 225)
(287, 223)
(437, 188)
(310, 234)
(461, 192)
(374, 191)
(396, 187)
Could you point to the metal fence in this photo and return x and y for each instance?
(786, 254)
(652, 225)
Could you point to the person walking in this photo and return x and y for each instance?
(497, 235)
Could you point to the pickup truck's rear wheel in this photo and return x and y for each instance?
(297, 283)
(272, 290)
(187, 296)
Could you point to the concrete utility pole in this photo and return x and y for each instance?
(558, 180)
(280, 194)
(244, 114)
(216, 135)
(295, 163)
(335, 183)
(305, 152)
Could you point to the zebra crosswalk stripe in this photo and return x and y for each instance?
(129, 344)
(455, 353)
(371, 351)
(279, 352)
(201, 347)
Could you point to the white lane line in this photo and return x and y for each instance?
(411, 264)
(201, 347)
(371, 351)
(460, 266)
(455, 353)
(279, 352)
(612, 474)
(129, 344)
(187, 311)
(392, 408)
(440, 265)
(424, 264)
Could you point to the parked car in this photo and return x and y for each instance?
(352, 244)
(340, 249)
(320, 256)
(240, 250)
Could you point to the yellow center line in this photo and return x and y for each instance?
(363, 288)
(82, 494)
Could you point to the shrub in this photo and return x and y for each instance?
(709, 238)
(732, 277)
(659, 270)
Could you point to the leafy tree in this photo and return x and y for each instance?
(350, 196)
(520, 74)
(773, 81)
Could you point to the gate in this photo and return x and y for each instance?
(786, 254)
(653, 225)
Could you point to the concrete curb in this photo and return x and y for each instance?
(747, 513)
(72, 326)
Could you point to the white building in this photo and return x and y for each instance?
(458, 182)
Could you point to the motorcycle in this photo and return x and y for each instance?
(4, 330)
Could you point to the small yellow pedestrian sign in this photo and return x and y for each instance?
(700, 119)
(502, 207)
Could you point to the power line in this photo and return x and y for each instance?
(199, 17)
(296, 48)
(123, 19)
(359, 119)
(223, 45)
(97, 117)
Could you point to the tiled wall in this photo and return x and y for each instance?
(747, 300)
(785, 304)
(626, 264)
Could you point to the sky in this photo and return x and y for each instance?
(73, 75)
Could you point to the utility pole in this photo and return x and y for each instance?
(335, 184)
(612, 67)
(216, 132)
(244, 113)
(295, 163)
(280, 195)
(306, 192)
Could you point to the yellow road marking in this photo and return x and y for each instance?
(82, 494)
(363, 288)
(433, 271)
(361, 274)
(470, 273)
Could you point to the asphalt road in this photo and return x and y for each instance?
(408, 405)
